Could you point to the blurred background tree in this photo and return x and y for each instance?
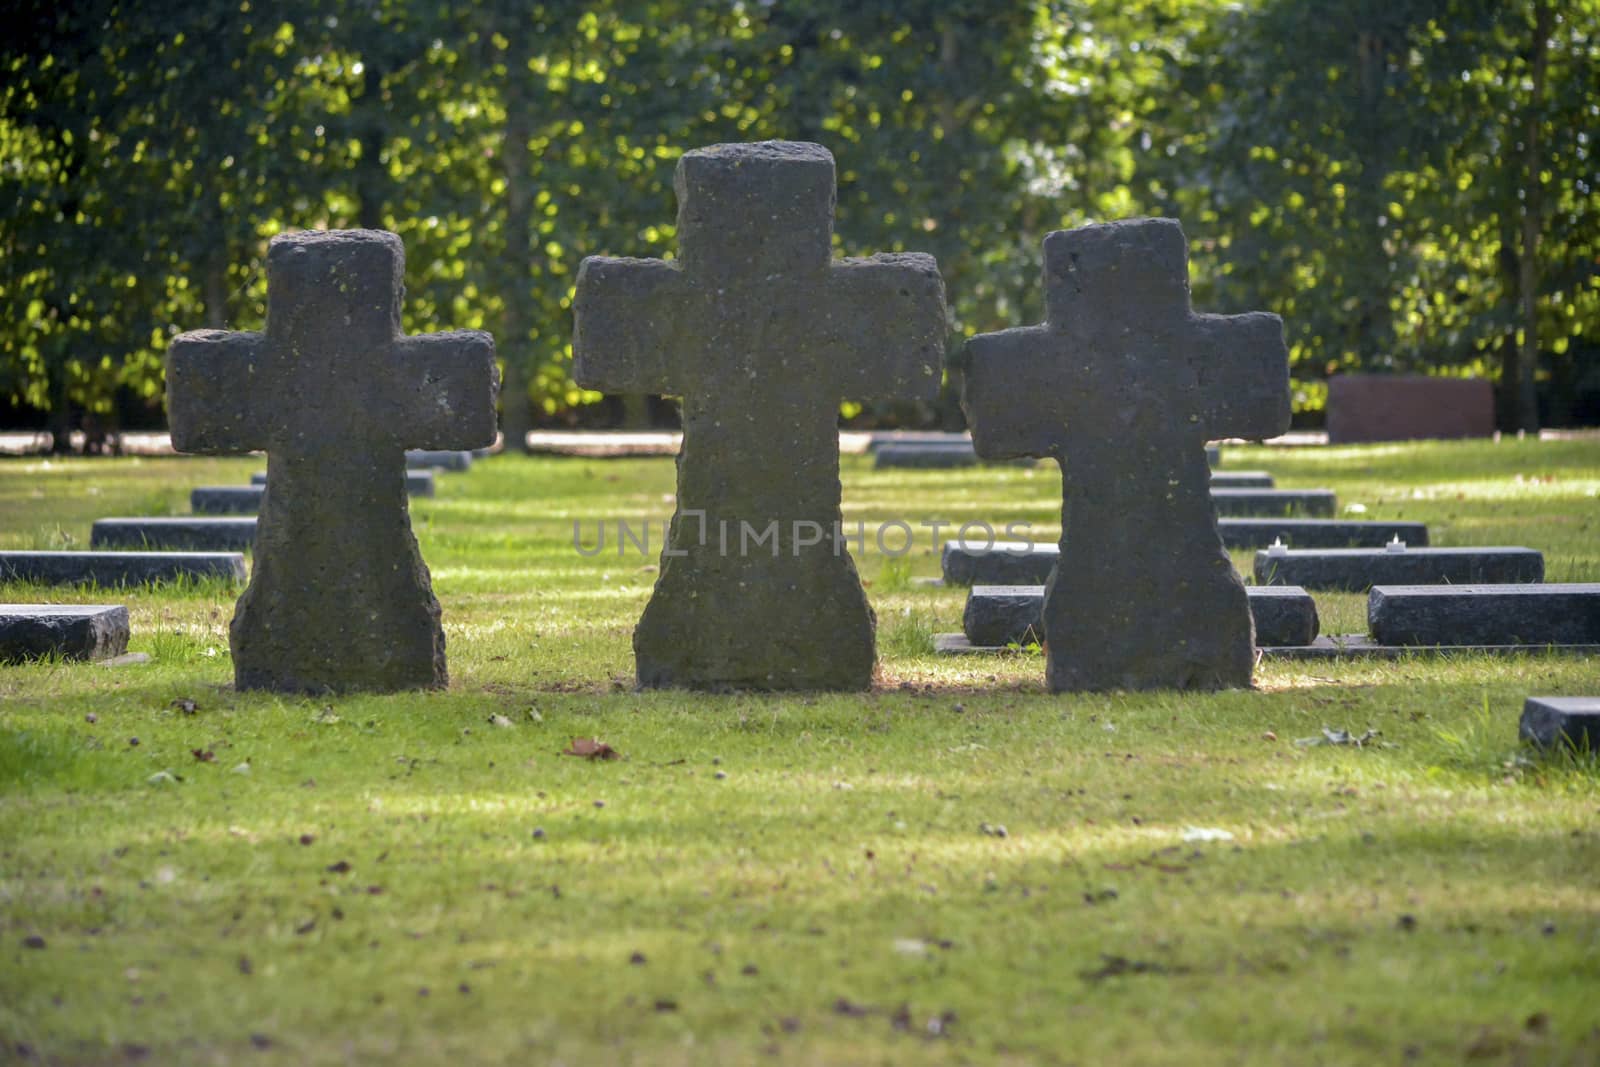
(1410, 183)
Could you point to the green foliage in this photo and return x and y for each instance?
(1368, 170)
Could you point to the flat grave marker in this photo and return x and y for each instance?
(444, 459)
(71, 631)
(998, 615)
(226, 499)
(1241, 480)
(1319, 533)
(1555, 722)
(763, 334)
(339, 598)
(1358, 569)
(175, 533)
(118, 568)
(1123, 384)
(1285, 502)
(418, 483)
(1555, 614)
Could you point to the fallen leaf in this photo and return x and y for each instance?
(591, 748)
(845, 1006)
(342, 867)
(185, 705)
(501, 721)
(203, 755)
(1338, 737)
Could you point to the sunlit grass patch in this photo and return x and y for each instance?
(801, 878)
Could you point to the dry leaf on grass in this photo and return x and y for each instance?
(591, 748)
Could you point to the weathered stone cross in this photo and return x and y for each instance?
(762, 335)
(1123, 384)
(339, 598)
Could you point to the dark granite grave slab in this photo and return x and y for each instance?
(1003, 614)
(925, 456)
(226, 499)
(1360, 646)
(1030, 563)
(418, 482)
(71, 631)
(442, 458)
(1241, 480)
(180, 533)
(916, 437)
(1550, 722)
(1555, 614)
(1274, 501)
(1358, 569)
(118, 568)
(1319, 533)
(1006, 563)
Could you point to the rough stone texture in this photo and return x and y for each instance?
(1241, 480)
(71, 631)
(1402, 407)
(118, 568)
(1123, 384)
(334, 394)
(1005, 563)
(232, 534)
(1319, 533)
(1358, 569)
(418, 482)
(1002, 614)
(762, 335)
(1550, 722)
(1555, 614)
(226, 499)
(444, 459)
(1236, 502)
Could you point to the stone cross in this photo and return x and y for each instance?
(339, 598)
(1123, 384)
(763, 334)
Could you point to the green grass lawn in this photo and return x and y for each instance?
(957, 867)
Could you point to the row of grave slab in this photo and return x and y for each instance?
(197, 547)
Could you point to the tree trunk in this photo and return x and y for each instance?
(371, 178)
(61, 413)
(214, 285)
(515, 345)
(1532, 221)
(1374, 325)
(1508, 398)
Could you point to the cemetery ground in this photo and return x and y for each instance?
(954, 867)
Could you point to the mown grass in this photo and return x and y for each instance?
(791, 879)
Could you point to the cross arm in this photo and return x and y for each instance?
(627, 316)
(1242, 368)
(219, 389)
(443, 389)
(882, 327)
(1013, 392)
